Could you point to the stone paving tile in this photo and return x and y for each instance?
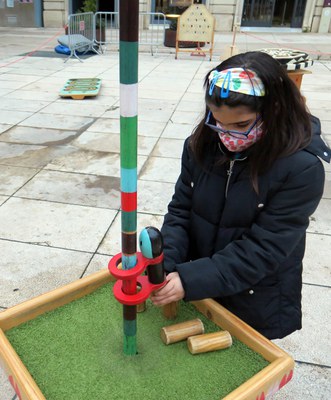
(320, 221)
(10, 151)
(158, 83)
(4, 128)
(13, 117)
(43, 86)
(33, 221)
(107, 125)
(69, 122)
(91, 162)
(103, 98)
(152, 93)
(172, 148)
(154, 197)
(309, 382)
(196, 106)
(177, 131)
(11, 85)
(38, 136)
(327, 168)
(73, 188)
(3, 199)
(85, 71)
(100, 141)
(316, 86)
(150, 128)
(154, 110)
(109, 88)
(111, 244)
(327, 186)
(161, 169)
(186, 117)
(197, 87)
(145, 128)
(190, 96)
(311, 344)
(76, 108)
(32, 95)
(31, 155)
(326, 126)
(24, 71)
(7, 392)
(22, 105)
(12, 178)
(314, 95)
(13, 77)
(52, 268)
(316, 264)
(98, 263)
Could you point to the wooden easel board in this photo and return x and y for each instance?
(196, 25)
(80, 88)
(275, 374)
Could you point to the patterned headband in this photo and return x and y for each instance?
(237, 80)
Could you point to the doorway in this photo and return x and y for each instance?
(273, 13)
(102, 5)
(107, 5)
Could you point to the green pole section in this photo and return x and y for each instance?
(129, 22)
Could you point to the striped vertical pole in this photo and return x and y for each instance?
(129, 20)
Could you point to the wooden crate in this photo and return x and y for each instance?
(263, 384)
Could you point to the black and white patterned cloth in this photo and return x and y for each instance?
(290, 59)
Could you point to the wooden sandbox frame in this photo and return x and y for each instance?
(259, 387)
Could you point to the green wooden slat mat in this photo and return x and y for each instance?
(75, 353)
(80, 88)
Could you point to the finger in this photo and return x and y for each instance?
(165, 290)
(165, 301)
(158, 297)
(173, 296)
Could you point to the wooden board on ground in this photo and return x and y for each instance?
(80, 88)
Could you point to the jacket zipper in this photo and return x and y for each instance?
(229, 173)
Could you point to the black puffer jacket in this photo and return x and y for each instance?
(243, 249)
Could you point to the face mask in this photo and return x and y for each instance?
(237, 144)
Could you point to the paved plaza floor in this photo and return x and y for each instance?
(60, 172)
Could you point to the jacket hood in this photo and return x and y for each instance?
(317, 145)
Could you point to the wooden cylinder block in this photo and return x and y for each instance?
(170, 310)
(141, 307)
(209, 342)
(178, 332)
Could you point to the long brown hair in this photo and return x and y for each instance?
(284, 114)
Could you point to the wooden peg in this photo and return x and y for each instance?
(170, 310)
(178, 332)
(209, 342)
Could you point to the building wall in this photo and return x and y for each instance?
(55, 13)
(226, 12)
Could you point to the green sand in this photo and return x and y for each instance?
(75, 353)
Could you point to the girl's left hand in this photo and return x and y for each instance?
(172, 291)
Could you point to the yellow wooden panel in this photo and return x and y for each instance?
(196, 24)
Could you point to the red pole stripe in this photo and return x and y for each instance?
(129, 201)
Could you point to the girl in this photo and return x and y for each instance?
(250, 178)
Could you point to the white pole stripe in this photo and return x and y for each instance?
(129, 100)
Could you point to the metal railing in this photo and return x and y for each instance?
(81, 34)
(150, 34)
